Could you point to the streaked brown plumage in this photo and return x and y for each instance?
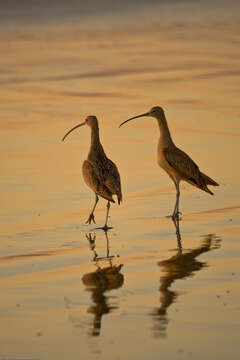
(99, 172)
(174, 161)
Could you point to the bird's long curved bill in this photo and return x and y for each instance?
(135, 117)
(75, 127)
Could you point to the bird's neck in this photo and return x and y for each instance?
(165, 136)
(96, 146)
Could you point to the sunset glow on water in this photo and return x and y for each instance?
(69, 291)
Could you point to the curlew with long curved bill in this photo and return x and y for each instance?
(174, 161)
(99, 172)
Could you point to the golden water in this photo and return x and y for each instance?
(144, 298)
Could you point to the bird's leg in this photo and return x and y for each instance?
(176, 212)
(106, 227)
(91, 216)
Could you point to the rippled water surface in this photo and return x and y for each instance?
(71, 291)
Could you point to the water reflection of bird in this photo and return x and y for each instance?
(100, 281)
(174, 161)
(99, 172)
(179, 266)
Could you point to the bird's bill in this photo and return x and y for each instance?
(135, 117)
(75, 127)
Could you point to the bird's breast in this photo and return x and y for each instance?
(163, 163)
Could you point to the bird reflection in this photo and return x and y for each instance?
(179, 266)
(104, 279)
(178, 234)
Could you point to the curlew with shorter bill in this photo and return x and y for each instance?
(178, 165)
(99, 172)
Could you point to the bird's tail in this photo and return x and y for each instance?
(208, 180)
(205, 188)
(105, 193)
(119, 197)
(205, 181)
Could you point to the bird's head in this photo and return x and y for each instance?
(90, 120)
(155, 111)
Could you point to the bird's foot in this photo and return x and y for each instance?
(105, 227)
(90, 219)
(176, 216)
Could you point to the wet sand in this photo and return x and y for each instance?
(67, 290)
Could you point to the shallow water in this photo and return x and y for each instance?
(67, 289)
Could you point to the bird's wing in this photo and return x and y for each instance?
(183, 164)
(94, 179)
(112, 180)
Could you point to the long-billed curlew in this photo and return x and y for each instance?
(174, 161)
(99, 172)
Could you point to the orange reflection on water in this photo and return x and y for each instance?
(51, 79)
